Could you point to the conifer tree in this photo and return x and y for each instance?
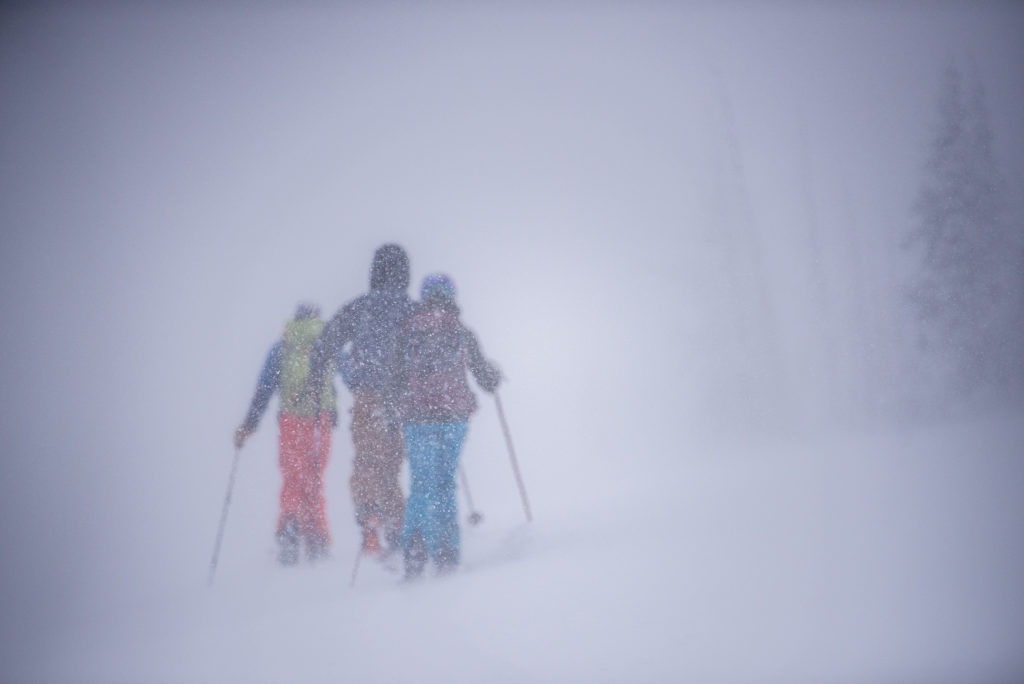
(966, 290)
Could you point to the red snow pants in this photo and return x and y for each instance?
(305, 448)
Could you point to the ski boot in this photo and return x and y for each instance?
(447, 560)
(415, 558)
(317, 548)
(288, 543)
(371, 544)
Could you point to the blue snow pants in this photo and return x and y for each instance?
(431, 509)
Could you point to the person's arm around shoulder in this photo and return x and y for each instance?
(326, 350)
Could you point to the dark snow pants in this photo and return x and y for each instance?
(376, 492)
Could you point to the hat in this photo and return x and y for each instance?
(306, 310)
(437, 287)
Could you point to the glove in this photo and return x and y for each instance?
(242, 434)
(490, 379)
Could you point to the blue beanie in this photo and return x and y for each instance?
(437, 287)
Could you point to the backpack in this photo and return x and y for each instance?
(296, 344)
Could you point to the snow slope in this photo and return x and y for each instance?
(886, 557)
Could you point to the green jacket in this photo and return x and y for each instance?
(286, 369)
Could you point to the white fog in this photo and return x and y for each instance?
(680, 229)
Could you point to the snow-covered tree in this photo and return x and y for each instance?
(968, 288)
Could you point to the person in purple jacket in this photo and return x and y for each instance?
(435, 350)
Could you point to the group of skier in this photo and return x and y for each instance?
(405, 363)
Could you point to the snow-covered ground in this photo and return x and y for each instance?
(883, 557)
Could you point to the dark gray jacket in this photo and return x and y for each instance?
(368, 326)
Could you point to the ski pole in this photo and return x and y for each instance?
(223, 516)
(512, 457)
(355, 568)
(475, 517)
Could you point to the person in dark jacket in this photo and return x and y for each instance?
(362, 336)
(304, 439)
(435, 350)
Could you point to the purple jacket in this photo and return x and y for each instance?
(434, 351)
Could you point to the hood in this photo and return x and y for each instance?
(390, 269)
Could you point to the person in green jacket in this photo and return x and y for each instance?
(305, 436)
